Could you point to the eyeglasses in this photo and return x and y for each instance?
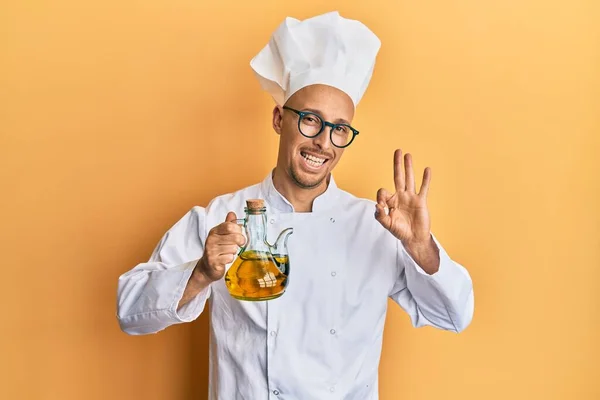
(311, 125)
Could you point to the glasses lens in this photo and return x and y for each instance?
(341, 135)
(310, 125)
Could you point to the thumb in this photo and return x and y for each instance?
(231, 217)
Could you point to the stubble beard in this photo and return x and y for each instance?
(302, 183)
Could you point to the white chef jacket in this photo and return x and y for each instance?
(322, 338)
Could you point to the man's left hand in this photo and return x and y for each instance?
(407, 216)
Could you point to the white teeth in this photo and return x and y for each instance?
(312, 160)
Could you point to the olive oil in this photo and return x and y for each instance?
(257, 275)
(260, 271)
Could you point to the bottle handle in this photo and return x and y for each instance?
(242, 222)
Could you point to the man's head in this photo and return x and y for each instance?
(308, 161)
(323, 65)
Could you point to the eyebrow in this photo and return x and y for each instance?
(337, 121)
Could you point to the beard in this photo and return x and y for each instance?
(303, 182)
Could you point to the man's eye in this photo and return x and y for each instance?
(311, 120)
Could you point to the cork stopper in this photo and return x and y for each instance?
(255, 204)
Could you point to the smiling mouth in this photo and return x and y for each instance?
(312, 160)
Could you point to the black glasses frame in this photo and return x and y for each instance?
(324, 123)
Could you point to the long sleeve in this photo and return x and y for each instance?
(148, 295)
(444, 299)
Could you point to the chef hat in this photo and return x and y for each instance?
(326, 49)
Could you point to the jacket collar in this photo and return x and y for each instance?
(324, 201)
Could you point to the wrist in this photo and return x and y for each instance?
(425, 254)
(420, 246)
(198, 275)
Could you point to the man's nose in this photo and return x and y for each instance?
(323, 140)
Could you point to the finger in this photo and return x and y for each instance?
(382, 197)
(410, 176)
(227, 228)
(239, 239)
(225, 249)
(225, 259)
(381, 216)
(425, 185)
(398, 177)
(231, 217)
(220, 260)
(229, 238)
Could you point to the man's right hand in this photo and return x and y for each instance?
(221, 246)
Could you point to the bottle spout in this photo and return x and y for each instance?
(280, 245)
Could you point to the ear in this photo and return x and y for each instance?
(278, 119)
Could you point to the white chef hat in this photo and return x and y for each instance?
(326, 49)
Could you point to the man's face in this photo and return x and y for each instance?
(308, 161)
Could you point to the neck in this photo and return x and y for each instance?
(301, 198)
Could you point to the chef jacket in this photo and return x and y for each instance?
(322, 338)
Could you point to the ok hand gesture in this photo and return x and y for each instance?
(408, 217)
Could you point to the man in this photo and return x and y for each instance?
(322, 339)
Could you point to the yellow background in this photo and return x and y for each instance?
(116, 117)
